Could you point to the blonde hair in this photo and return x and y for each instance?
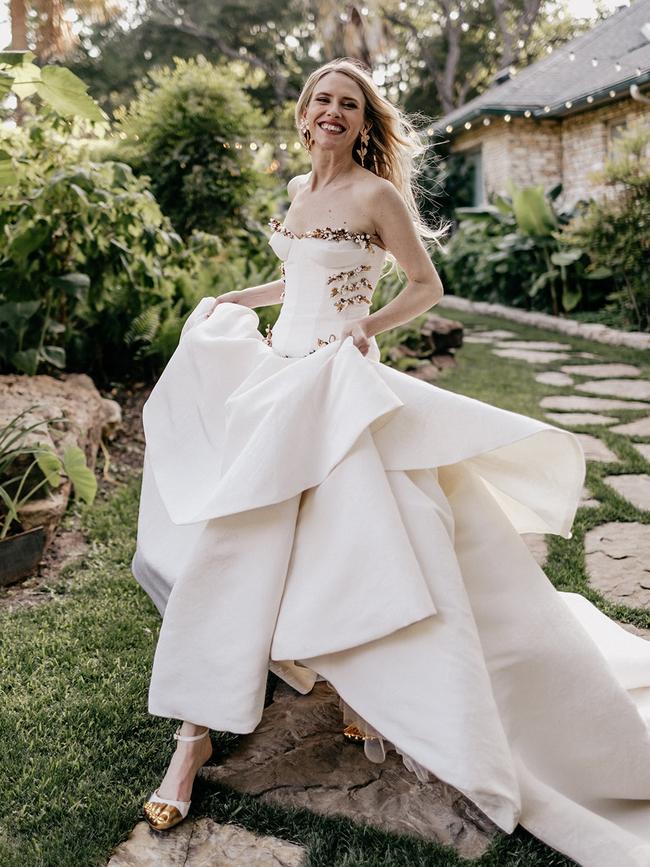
(395, 147)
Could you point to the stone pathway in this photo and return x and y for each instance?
(618, 561)
(297, 757)
(632, 388)
(204, 843)
(634, 487)
(602, 370)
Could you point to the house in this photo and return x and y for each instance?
(555, 120)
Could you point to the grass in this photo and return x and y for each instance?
(81, 753)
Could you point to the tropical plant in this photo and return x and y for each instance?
(27, 466)
(613, 232)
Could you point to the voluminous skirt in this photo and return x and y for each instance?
(329, 517)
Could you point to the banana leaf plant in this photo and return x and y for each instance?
(26, 467)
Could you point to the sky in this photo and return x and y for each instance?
(579, 8)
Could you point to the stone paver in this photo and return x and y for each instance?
(638, 428)
(618, 561)
(596, 450)
(587, 499)
(633, 388)
(537, 545)
(575, 419)
(543, 345)
(297, 757)
(553, 377)
(204, 843)
(496, 334)
(579, 402)
(531, 355)
(643, 449)
(602, 370)
(635, 487)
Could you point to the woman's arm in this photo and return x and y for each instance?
(255, 296)
(394, 225)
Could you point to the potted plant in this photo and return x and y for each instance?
(26, 467)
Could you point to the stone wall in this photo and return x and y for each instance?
(549, 152)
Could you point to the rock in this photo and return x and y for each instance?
(635, 630)
(537, 545)
(297, 757)
(87, 415)
(633, 388)
(205, 843)
(574, 419)
(596, 450)
(496, 334)
(530, 355)
(587, 500)
(534, 344)
(618, 561)
(441, 334)
(553, 377)
(602, 370)
(578, 402)
(639, 428)
(635, 487)
(643, 449)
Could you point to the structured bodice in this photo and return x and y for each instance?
(330, 275)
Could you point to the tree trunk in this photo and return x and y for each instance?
(18, 15)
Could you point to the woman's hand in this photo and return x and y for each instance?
(358, 330)
(231, 297)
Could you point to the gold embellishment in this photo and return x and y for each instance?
(332, 337)
(325, 234)
(282, 279)
(268, 336)
(342, 303)
(349, 285)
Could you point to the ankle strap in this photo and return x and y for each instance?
(179, 737)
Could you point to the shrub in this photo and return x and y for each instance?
(615, 232)
(178, 131)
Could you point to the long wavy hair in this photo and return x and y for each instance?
(396, 150)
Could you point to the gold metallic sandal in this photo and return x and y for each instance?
(161, 813)
(354, 735)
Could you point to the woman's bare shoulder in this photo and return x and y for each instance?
(295, 183)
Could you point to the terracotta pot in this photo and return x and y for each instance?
(20, 554)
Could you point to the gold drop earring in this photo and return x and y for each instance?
(363, 150)
(304, 129)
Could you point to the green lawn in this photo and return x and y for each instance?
(80, 752)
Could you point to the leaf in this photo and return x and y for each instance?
(533, 213)
(26, 79)
(26, 361)
(82, 478)
(566, 257)
(66, 94)
(571, 297)
(599, 273)
(29, 240)
(54, 355)
(75, 283)
(15, 58)
(8, 175)
(14, 313)
(50, 465)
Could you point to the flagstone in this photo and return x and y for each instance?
(643, 449)
(534, 344)
(553, 377)
(633, 388)
(635, 487)
(638, 428)
(602, 370)
(617, 556)
(495, 334)
(531, 355)
(587, 500)
(574, 419)
(205, 843)
(578, 402)
(595, 449)
(297, 757)
(537, 545)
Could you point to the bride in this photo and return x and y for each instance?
(309, 510)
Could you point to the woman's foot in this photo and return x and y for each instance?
(189, 756)
(170, 803)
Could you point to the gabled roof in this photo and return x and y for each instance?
(569, 75)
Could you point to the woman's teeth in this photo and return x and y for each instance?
(331, 128)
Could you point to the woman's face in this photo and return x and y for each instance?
(337, 101)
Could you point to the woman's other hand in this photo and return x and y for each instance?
(231, 297)
(359, 333)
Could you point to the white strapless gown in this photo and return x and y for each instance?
(310, 509)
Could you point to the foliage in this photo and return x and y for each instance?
(16, 445)
(89, 265)
(178, 131)
(511, 251)
(615, 231)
